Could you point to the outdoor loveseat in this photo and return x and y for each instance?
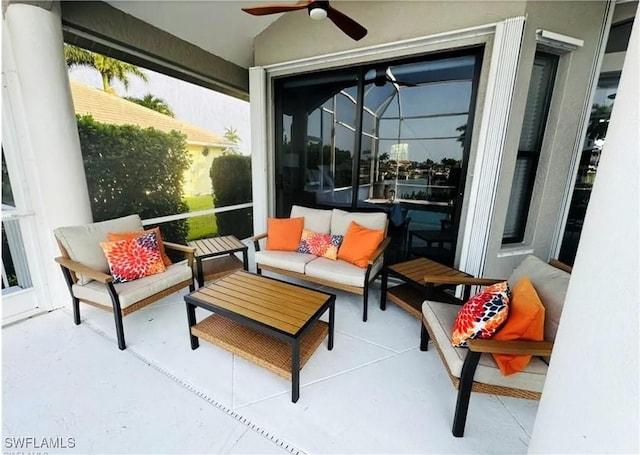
(338, 273)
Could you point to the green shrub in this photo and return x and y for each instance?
(134, 170)
(231, 181)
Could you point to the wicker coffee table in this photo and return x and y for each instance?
(266, 321)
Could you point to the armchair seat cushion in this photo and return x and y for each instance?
(134, 291)
(440, 317)
(286, 260)
(340, 271)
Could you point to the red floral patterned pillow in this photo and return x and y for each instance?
(133, 258)
(482, 315)
(325, 245)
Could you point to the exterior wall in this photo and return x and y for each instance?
(591, 396)
(197, 180)
(579, 20)
(295, 36)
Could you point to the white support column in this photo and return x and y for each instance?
(591, 398)
(495, 120)
(261, 190)
(39, 104)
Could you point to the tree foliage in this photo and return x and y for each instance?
(231, 181)
(134, 170)
(152, 102)
(109, 68)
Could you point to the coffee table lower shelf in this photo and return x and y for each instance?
(258, 347)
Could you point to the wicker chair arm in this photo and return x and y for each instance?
(538, 348)
(82, 269)
(256, 238)
(379, 251)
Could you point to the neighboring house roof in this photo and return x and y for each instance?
(109, 108)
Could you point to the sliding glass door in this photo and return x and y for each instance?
(386, 136)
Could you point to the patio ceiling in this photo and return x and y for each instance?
(219, 27)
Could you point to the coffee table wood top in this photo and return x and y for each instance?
(282, 306)
(423, 271)
(217, 245)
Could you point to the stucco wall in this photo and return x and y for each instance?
(576, 19)
(296, 36)
(197, 180)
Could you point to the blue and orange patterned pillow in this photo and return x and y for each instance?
(482, 315)
(325, 245)
(133, 258)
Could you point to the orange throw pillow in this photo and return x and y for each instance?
(359, 244)
(525, 322)
(284, 234)
(116, 236)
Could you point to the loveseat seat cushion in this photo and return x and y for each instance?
(340, 220)
(340, 271)
(551, 285)
(440, 317)
(136, 290)
(82, 243)
(286, 260)
(315, 220)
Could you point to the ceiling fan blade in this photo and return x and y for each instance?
(275, 8)
(346, 24)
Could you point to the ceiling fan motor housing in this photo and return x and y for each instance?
(318, 10)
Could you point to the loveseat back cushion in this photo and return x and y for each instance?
(340, 221)
(315, 220)
(551, 285)
(82, 243)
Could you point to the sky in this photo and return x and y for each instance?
(191, 103)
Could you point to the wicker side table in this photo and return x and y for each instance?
(214, 257)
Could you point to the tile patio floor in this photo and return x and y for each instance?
(376, 392)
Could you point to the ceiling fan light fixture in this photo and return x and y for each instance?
(317, 13)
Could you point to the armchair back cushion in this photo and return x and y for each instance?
(340, 221)
(82, 243)
(315, 220)
(551, 286)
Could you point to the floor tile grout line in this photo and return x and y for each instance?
(281, 442)
(386, 348)
(317, 381)
(515, 417)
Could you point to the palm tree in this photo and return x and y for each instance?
(231, 134)
(152, 102)
(109, 68)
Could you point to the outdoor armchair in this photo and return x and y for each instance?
(473, 368)
(86, 271)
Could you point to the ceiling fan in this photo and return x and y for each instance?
(318, 10)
